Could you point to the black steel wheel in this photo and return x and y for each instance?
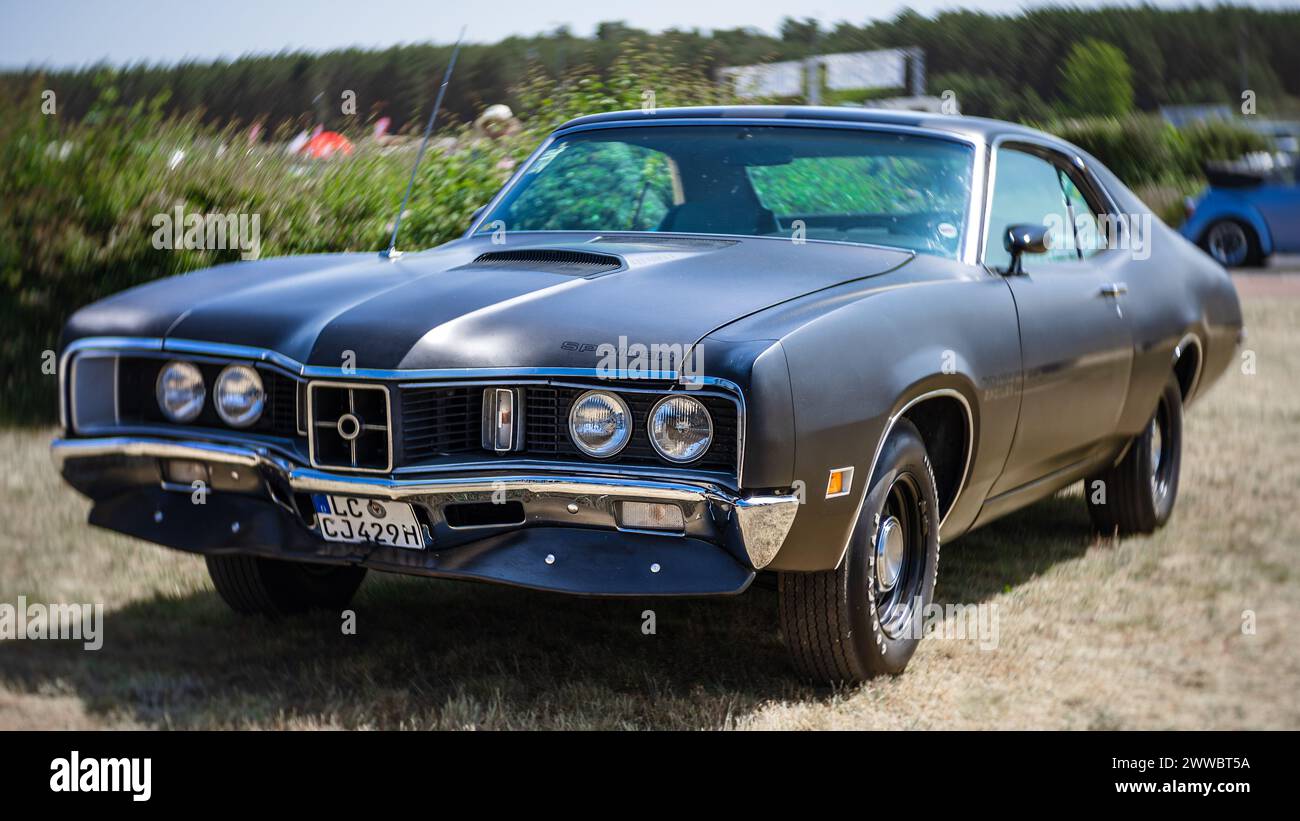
(862, 619)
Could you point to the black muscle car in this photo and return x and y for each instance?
(677, 350)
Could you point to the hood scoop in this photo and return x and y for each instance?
(552, 260)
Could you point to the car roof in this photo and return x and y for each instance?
(979, 129)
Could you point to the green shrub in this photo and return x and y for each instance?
(1138, 149)
(76, 219)
(1143, 149)
(1215, 140)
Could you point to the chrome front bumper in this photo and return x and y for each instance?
(751, 528)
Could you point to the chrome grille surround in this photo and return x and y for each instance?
(341, 418)
(465, 379)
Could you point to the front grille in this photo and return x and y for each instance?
(350, 426)
(440, 421)
(445, 421)
(137, 399)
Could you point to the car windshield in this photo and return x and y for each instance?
(847, 185)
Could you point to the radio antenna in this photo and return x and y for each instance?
(391, 252)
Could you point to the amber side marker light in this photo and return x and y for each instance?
(839, 483)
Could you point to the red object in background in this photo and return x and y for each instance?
(325, 144)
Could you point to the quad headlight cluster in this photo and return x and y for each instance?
(238, 395)
(680, 427)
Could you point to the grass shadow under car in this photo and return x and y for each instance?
(434, 654)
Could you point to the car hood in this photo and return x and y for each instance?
(547, 302)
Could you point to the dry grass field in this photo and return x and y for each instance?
(1141, 633)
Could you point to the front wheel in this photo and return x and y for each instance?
(1137, 495)
(271, 587)
(862, 619)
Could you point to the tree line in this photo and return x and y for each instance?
(1007, 66)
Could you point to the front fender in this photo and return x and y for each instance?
(853, 367)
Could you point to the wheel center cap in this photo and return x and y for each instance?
(889, 554)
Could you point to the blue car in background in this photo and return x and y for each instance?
(1246, 214)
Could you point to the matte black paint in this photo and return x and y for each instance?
(827, 341)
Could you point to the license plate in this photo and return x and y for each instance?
(357, 520)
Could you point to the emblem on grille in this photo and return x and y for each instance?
(350, 426)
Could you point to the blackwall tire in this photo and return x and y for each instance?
(268, 587)
(861, 620)
(1138, 494)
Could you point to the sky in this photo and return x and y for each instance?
(70, 33)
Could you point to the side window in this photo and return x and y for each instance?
(1027, 190)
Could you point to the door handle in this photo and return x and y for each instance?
(1114, 289)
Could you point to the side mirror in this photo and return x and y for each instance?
(1024, 239)
(478, 212)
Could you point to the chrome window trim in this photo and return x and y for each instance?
(889, 427)
(422, 378)
(1064, 150)
(968, 253)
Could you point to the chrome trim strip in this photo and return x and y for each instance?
(234, 352)
(889, 427)
(763, 522)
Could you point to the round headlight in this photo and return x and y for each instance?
(680, 428)
(600, 424)
(239, 396)
(180, 391)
